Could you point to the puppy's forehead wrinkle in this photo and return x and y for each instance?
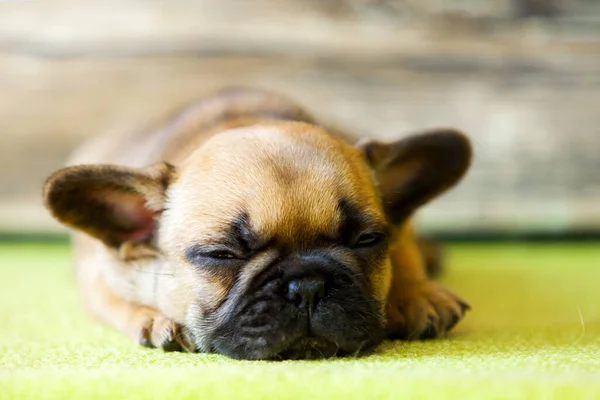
(287, 179)
(224, 308)
(333, 252)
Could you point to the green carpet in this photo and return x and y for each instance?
(534, 332)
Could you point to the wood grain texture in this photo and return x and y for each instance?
(528, 92)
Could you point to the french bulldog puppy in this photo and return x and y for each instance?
(243, 227)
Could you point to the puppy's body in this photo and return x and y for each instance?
(240, 226)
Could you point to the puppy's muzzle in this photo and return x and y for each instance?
(301, 307)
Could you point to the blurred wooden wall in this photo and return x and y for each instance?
(521, 76)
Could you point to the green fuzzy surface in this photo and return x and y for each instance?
(534, 332)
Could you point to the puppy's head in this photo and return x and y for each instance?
(276, 234)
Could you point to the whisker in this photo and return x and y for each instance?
(152, 272)
(582, 327)
(337, 345)
(357, 352)
(321, 353)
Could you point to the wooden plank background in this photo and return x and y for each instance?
(527, 89)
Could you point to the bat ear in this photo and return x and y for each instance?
(114, 204)
(412, 171)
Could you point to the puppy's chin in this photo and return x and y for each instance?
(294, 340)
(265, 324)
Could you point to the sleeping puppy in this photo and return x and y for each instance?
(243, 227)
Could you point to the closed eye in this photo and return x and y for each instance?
(358, 229)
(222, 255)
(202, 255)
(369, 239)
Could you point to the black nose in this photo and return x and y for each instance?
(306, 292)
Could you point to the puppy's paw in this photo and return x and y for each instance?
(423, 310)
(152, 329)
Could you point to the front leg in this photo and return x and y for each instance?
(145, 325)
(418, 308)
